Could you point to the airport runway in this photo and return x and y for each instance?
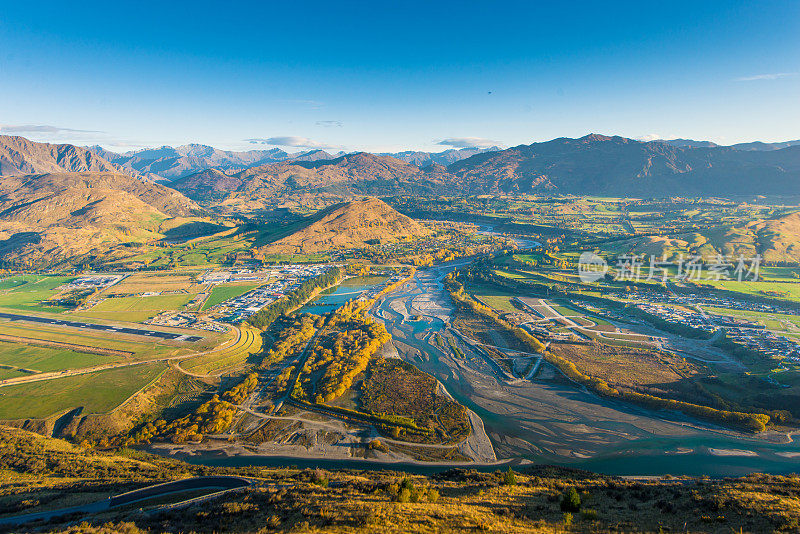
(101, 327)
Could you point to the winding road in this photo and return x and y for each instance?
(222, 484)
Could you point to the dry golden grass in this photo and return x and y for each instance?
(156, 281)
(625, 366)
(38, 474)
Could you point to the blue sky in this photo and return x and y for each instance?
(397, 75)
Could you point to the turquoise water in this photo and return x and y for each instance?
(334, 297)
(703, 452)
(635, 464)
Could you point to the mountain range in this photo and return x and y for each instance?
(425, 159)
(59, 201)
(313, 184)
(20, 156)
(755, 145)
(591, 165)
(167, 163)
(617, 166)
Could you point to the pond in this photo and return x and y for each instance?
(333, 297)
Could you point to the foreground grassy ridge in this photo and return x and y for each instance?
(38, 474)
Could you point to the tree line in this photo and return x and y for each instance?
(751, 421)
(267, 315)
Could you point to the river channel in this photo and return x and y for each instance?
(548, 419)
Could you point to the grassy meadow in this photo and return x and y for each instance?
(97, 392)
(223, 292)
(28, 292)
(136, 309)
(46, 359)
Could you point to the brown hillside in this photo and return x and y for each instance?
(52, 217)
(327, 181)
(22, 156)
(616, 166)
(779, 239)
(349, 225)
(776, 240)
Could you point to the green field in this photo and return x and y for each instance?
(498, 302)
(10, 373)
(506, 274)
(221, 293)
(97, 392)
(215, 250)
(534, 258)
(26, 292)
(767, 318)
(563, 310)
(137, 309)
(493, 296)
(142, 348)
(784, 290)
(47, 359)
(15, 282)
(779, 273)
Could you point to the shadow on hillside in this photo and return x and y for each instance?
(18, 241)
(192, 230)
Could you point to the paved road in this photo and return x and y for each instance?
(101, 327)
(210, 482)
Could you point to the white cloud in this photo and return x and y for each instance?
(290, 140)
(649, 137)
(330, 123)
(467, 142)
(774, 76)
(313, 104)
(39, 129)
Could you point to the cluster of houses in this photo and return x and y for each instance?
(290, 277)
(693, 299)
(765, 342)
(750, 334)
(543, 333)
(235, 275)
(94, 281)
(681, 316)
(184, 320)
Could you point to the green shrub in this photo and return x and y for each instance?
(571, 501)
(320, 478)
(510, 478)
